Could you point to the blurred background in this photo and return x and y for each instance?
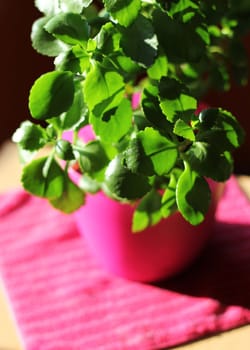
(20, 64)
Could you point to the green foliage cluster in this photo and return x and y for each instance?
(161, 152)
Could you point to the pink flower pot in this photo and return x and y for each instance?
(156, 253)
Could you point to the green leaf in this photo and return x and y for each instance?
(184, 130)
(75, 60)
(64, 150)
(51, 95)
(75, 6)
(148, 212)
(217, 124)
(176, 101)
(180, 42)
(43, 42)
(52, 7)
(193, 196)
(208, 161)
(152, 110)
(126, 66)
(30, 136)
(151, 153)
(70, 200)
(139, 42)
(70, 28)
(103, 90)
(204, 34)
(48, 7)
(161, 151)
(190, 71)
(215, 31)
(159, 68)
(168, 201)
(114, 123)
(124, 11)
(139, 121)
(136, 159)
(229, 124)
(122, 183)
(212, 136)
(76, 116)
(208, 117)
(108, 39)
(43, 177)
(91, 157)
(182, 5)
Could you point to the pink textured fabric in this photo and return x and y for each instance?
(62, 299)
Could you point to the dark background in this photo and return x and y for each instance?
(20, 64)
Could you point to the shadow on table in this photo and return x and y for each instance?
(223, 270)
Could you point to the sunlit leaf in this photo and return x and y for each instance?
(103, 90)
(70, 28)
(43, 42)
(151, 153)
(176, 101)
(184, 130)
(124, 11)
(159, 68)
(51, 95)
(44, 178)
(30, 136)
(168, 200)
(70, 200)
(114, 123)
(148, 211)
(192, 196)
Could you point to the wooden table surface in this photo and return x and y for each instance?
(10, 169)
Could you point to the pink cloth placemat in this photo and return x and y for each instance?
(62, 299)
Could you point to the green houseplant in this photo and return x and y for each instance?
(157, 153)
